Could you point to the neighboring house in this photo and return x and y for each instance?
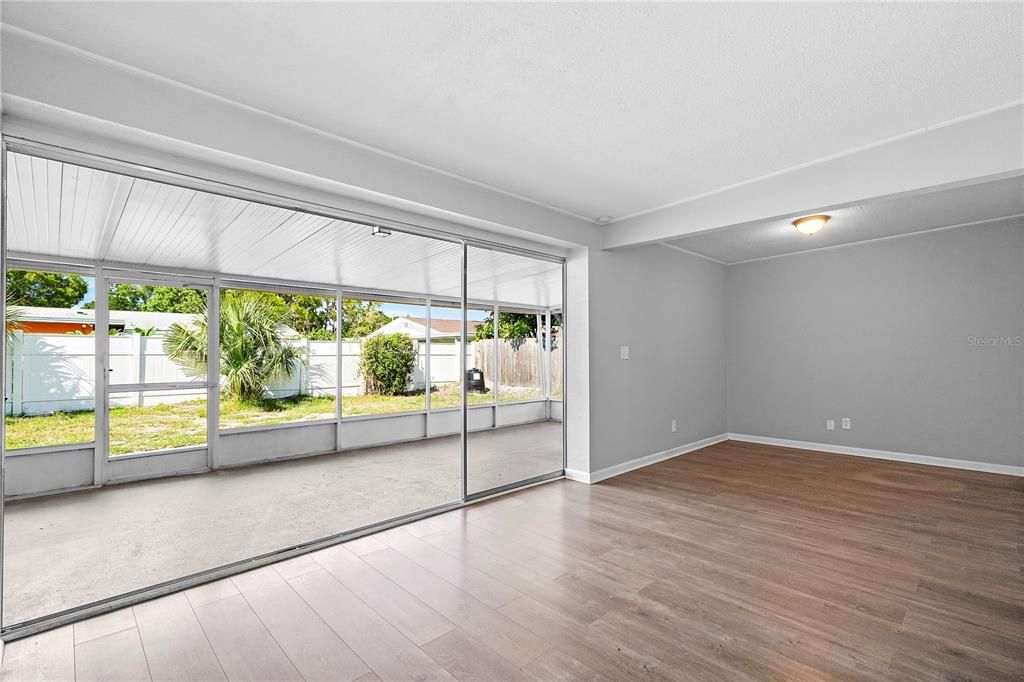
(416, 327)
(37, 320)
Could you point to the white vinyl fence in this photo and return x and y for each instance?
(55, 372)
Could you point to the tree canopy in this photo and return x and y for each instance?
(513, 326)
(361, 318)
(517, 327)
(45, 289)
(313, 317)
(145, 298)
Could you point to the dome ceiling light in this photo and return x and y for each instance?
(811, 223)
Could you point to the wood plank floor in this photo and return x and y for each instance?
(737, 561)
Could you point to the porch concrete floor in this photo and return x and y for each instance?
(72, 549)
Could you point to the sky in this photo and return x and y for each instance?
(399, 309)
(90, 293)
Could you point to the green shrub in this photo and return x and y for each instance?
(387, 363)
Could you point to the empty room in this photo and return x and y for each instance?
(512, 341)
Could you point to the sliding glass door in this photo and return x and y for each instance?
(223, 381)
(515, 439)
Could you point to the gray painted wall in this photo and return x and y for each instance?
(669, 308)
(885, 333)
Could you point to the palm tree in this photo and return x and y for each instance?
(253, 348)
(14, 317)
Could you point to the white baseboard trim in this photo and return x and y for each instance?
(970, 465)
(639, 462)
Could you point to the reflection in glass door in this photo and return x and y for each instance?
(517, 437)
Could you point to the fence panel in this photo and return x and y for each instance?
(56, 372)
(444, 362)
(517, 367)
(557, 371)
(46, 373)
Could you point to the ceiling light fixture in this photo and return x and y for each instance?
(378, 231)
(811, 223)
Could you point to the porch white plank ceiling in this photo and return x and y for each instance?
(60, 210)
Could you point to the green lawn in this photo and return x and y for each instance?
(51, 429)
(156, 427)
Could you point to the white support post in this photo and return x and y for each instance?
(138, 368)
(101, 334)
(340, 318)
(305, 375)
(3, 365)
(495, 365)
(464, 431)
(550, 352)
(426, 368)
(546, 363)
(541, 348)
(213, 375)
(17, 372)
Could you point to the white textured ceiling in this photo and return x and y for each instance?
(870, 220)
(598, 109)
(63, 212)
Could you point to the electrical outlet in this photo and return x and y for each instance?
(623, 352)
(673, 426)
(846, 424)
(830, 424)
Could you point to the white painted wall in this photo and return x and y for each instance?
(918, 340)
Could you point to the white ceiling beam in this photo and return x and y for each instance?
(970, 150)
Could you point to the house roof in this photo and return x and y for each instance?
(127, 318)
(416, 327)
(443, 326)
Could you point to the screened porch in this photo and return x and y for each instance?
(197, 375)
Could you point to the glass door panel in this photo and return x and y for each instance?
(339, 403)
(517, 437)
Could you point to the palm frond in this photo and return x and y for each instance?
(254, 348)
